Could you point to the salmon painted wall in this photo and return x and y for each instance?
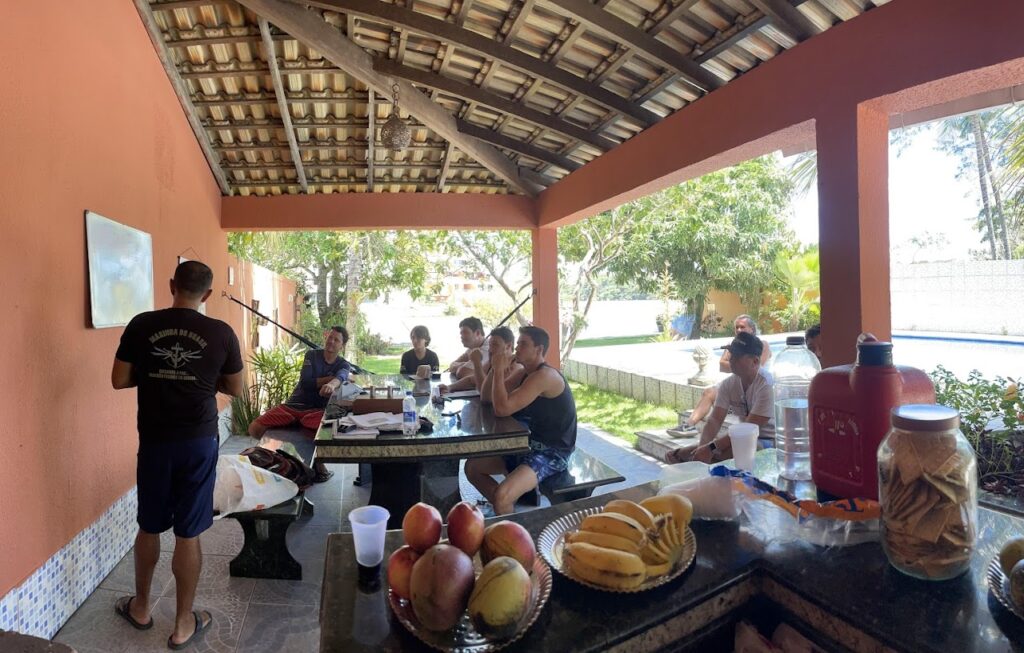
(88, 121)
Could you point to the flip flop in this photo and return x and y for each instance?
(323, 477)
(200, 629)
(123, 607)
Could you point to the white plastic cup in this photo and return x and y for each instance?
(744, 443)
(369, 524)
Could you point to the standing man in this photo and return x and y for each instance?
(323, 372)
(179, 359)
(541, 398)
(745, 393)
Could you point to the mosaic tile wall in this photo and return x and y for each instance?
(42, 604)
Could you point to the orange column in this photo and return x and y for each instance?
(545, 284)
(853, 224)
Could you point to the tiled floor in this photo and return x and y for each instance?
(264, 615)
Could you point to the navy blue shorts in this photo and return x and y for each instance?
(544, 461)
(176, 485)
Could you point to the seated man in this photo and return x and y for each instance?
(503, 339)
(540, 398)
(471, 334)
(742, 324)
(812, 337)
(745, 393)
(322, 373)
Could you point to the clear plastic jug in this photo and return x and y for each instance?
(793, 370)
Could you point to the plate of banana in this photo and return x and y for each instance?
(623, 546)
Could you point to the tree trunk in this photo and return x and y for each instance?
(983, 182)
(697, 303)
(997, 196)
(322, 305)
(352, 279)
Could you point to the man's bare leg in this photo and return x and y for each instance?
(521, 480)
(186, 565)
(147, 553)
(480, 472)
(703, 407)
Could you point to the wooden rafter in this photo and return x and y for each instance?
(474, 42)
(445, 168)
(325, 144)
(181, 91)
(496, 138)
(575, 32)
(424, 184)
(788, 17)
(348, 165)
(523, 9)
(640, 41)
(460, 18)
(717, 46)
(371, 138)
(471, 93)
(282, 102)
(671, 16)
(311, 29)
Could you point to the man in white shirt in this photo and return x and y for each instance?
(746, 393)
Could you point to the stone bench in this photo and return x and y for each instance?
(265, 551)
(584, 474)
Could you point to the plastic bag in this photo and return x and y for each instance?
(711, 496)
(241, 486)
(778, 516)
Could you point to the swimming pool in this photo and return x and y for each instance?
(959, 354)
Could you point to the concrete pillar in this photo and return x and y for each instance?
(853, 228)
(545, 283)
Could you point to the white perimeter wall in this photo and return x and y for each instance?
(963, 296)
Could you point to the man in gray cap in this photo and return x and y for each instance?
(745, 393)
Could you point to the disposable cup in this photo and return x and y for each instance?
(744, 443)
(369, 524)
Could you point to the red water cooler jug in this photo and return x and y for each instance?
(849, 413)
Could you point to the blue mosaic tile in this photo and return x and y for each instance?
(41, 604)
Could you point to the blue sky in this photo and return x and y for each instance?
(924, 197)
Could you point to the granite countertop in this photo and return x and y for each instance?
(851, 594)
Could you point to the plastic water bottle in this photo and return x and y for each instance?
(410, 420)
(793, 370)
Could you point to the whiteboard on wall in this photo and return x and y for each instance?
(120, 271)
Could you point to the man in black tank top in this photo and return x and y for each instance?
(541, 399)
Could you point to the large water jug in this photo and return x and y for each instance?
(793, 370)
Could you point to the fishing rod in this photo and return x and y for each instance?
(306, 341)
(518, 306)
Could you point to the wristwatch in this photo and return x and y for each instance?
(712, 447)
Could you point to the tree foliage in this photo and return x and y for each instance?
(722, 230)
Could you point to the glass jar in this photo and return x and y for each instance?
(928, 491)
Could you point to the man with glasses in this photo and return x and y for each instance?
(323, 372)
(742, 324)
(746, 393)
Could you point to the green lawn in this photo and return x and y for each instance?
(618, 415)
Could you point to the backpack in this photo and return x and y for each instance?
(281, 463)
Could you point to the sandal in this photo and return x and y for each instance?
(322, 475)
(123, 607)
(200, 629)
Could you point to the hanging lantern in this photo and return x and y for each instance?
(395, 134)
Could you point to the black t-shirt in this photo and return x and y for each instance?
(410, 362)
(177, 355)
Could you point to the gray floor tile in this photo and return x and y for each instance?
(222, 637)
(287, 592)
(122, 578)
(216, 584)
(276, 628)
(224, 538)
(96, 628)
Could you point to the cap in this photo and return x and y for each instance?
(794, 340)
(745, 343)
(874, 354)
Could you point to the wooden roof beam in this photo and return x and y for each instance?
(371, 138)
(671, 16)
(480, 44)
(445, 167)
(282, 102)
(787, 17)
(482, 96)
(640, 41)
(181, 91)
(517, 22)
(311, 29)
(718, 45)
(495, 138)
(329, 144)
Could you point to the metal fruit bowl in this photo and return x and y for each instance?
(551, 543)
(999, 583)
(464, 637)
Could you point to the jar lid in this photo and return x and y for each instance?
(925, 417)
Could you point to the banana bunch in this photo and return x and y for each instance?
(629, 542)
